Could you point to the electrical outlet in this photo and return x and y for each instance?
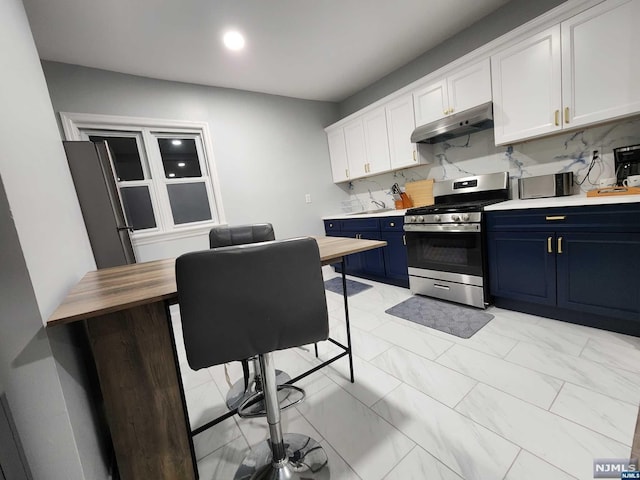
(307, 198)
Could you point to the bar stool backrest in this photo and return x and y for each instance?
(224, 236)
(246, 300)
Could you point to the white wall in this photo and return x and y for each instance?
(45, 250)
(269, 150)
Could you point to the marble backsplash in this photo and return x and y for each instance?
(477, 153)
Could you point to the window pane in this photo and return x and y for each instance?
(189, 202)
(179, 157)
(137, 207)
(126, 158)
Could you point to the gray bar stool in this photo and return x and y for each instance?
(232, 309)
(225, 236)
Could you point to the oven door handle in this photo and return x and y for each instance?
(452, 227)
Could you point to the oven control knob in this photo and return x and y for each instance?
(421, 219)
(436, 218)
(455, 218)
(412, 219)
(465, 217)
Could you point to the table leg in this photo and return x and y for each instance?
(346, 317)
(139, 378)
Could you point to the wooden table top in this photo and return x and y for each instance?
(113, 289)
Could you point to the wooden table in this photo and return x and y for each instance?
(126, 310)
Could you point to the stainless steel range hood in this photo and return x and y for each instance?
(469, 121)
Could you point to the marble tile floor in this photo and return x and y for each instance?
(525, 398)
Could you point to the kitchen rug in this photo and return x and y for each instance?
(458, 320)
(335, 285)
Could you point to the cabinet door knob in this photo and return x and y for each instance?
(392, 224)
(566, 114)
(559, 244)
(549, 247)
(556, 117)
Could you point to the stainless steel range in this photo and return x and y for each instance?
(446, 246)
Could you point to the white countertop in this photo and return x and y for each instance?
(568, 201)
(387, 213)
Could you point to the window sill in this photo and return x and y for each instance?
(140, 239)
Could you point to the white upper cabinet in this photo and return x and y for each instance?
(459, 91)
(527, 98)
(400, 124)
(431, 102)
(376, 142)
(600, 67)
(469, 87)
(356, 149)
(578, 73)
(338, 155)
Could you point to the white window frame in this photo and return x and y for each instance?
(74, 125)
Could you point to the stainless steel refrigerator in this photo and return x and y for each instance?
(100, 202)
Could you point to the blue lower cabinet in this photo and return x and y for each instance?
(523, 266)
(395, 257)
(574, 264)
(369, 263)
(388, 264)
(598, 273)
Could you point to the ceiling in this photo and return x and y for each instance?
(321, 50)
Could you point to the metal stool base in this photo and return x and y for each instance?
(307, 460)
(237, 394)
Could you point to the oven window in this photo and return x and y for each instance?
(446, 252)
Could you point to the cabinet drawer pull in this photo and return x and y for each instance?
(549, 247)
(555, 217)
(556, 117)
(392, 224)
(331, 225)
(441, 287)
(559, 244)
(566, 114)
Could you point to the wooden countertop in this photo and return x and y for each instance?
(118, 288)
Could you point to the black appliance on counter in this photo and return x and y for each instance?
(446, 244)
(627, 162)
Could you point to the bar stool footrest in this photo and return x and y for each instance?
(237, 394)
(288, 396)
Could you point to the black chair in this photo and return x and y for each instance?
(232, 309)
(225, 236)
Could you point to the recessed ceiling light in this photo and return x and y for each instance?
(233, 40)
(181, 164)
(172, 175)
(176, 142)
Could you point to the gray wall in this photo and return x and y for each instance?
(45, 251)
(269, 150)
(506, 18)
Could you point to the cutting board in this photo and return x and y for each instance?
(420, 193)
(605, 192)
